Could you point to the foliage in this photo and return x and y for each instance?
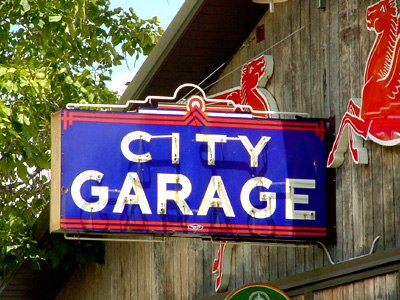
(51, 53)
(64, 255)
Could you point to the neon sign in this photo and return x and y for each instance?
(191, 171)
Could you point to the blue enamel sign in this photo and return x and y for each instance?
(188, 172)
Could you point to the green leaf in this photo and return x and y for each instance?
(6, 110)
(53, 19)
(69, 80)
(12, 248)
(25, 6)
(43, 163)
(41, 23)
(40, 75)
(22, 172)
(20, 118)
(52, 53)
(3, 71)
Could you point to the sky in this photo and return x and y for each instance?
(145, 9)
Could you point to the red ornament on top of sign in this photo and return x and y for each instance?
(252, 91)
(376, 116)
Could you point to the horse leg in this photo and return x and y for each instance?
(356, 146)
(351, 131)
(358, 152)
(354, 106)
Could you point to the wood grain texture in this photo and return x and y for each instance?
(55, 190)
(380, 287)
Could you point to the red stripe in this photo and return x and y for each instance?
(191, 119)
(193, 122)
(179, 224)
(185, 229)
(85, 224)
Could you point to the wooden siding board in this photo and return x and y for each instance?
(191, 268)
(145, 283)
(198, 266)
(127, 285)
(273, 262)
(210, 252)
(300, 259)
(380, 287)
(158, 272)
(239, 267)
(396, 191)
(184, 275)
(264, 264)
(388, 199)
(259, 46)
(295, 66)
(168, 270)
(353, 31)
(339, 293)
(269, 46)
(306, 84)
(366, 171)
(127, 261)
(254, 252)
(282, 262)
(306, 56)
(324, 66)
(379, 284)
(247, 264)
(345, 233)
(282, 30)
(333, 50)
(292, 262)
(359, 290)
(318, 28)
(391, 286)
(368, 205)
(369, 287)
(377, 193)
(334, 96)
(177, 268)
(114, 268)
(315, 60)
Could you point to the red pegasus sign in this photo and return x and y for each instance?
(252, 91)
(376, 116)
(222, 266)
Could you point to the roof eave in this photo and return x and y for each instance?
(161, 51)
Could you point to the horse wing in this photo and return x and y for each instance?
(392, 80)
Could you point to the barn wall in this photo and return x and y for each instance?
(319, 57)
(319, 60)
(379, 287)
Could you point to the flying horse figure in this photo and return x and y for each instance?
(252, 90)
(376, 116)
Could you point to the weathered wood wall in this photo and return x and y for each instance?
(319, 57)
(379, 287)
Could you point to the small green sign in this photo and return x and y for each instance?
(257, 291)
